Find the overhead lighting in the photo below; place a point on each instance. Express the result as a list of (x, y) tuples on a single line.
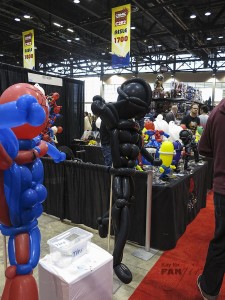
[(17, 19), (26, 16), (57, 24), (208, 38), (77, 38), (220, 37), (103, 53), (1, 54), (76, 1), (192, 16), (69, 29), (159, 45), (132, 27), (69, 41), (149, 47), (208, 13)]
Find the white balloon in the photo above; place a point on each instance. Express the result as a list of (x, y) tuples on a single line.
[(174, 131), (98, 123), (161, 124)]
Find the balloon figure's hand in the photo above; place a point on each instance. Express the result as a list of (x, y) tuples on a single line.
[(35, 114), (61, 157), (157, 162)]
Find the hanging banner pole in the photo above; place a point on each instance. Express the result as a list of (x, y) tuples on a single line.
[(121, 19)]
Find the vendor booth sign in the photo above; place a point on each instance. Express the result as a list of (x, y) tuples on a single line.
[(121, 17), (28, 49)]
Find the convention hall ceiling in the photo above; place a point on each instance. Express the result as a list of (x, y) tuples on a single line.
[(164, 34)]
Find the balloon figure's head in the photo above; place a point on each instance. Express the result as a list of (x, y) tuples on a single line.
[(185, 136), (149, 125), (12, 93), (134, 98)]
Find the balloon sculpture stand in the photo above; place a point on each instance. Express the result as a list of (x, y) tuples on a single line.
[(24, 113), (126, 143)]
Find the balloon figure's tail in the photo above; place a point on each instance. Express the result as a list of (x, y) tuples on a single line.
[(19, 287)]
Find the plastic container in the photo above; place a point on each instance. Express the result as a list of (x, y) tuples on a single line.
[(66, 247)]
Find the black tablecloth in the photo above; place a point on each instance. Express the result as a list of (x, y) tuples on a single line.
[(80, 192)]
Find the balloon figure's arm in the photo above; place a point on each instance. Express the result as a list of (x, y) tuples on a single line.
[(57, 155), (106, 112), (155, 162), (25, 109)]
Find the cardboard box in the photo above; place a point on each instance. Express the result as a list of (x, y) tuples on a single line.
[(89, 277)]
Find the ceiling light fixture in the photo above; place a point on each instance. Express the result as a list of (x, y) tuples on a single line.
[(69, 29), (132, 27), (208, 38), (149, 47), (220, 37), (192, 16), (57, 24), (26, 16), (17, 19), (76, 1), (1, 54), (208, 13), (77, 39), (159, 45), (69, 41)]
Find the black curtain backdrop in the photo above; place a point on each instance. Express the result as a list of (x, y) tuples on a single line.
[(10, 75), (71, 99)]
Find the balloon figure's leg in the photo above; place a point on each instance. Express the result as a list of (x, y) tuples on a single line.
[(20, 283), (22, 287), (121, 221), (103, 224)]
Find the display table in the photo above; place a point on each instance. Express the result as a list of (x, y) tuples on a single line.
[(89, 277), (80, 192)]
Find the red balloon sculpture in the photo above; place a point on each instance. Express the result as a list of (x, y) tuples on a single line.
[(24, 114)]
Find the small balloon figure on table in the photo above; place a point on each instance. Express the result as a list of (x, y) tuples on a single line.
[(126, 143), (189, 146), (166, 152), (23, 115)]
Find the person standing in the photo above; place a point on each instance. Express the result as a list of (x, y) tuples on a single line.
[(87, 125), (171, 115), (203, 115), (191, 121), (211, 145), (105, 144)]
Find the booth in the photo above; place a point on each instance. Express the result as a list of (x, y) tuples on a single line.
[(80, 192)]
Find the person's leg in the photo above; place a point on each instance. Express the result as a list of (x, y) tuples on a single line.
[(106, 151), (212, 276)]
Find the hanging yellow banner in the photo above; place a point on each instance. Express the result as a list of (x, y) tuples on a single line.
[(28, 49), (121, 18)]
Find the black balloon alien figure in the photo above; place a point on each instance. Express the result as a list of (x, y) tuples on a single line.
[(134, 98), (189, 145)]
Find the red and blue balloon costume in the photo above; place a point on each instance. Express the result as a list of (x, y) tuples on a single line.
[(24, 114)]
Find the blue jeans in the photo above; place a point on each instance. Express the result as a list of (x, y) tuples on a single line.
[(106, 151), (214, 269)]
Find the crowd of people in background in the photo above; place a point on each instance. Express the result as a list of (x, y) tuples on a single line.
[(194, 117)]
